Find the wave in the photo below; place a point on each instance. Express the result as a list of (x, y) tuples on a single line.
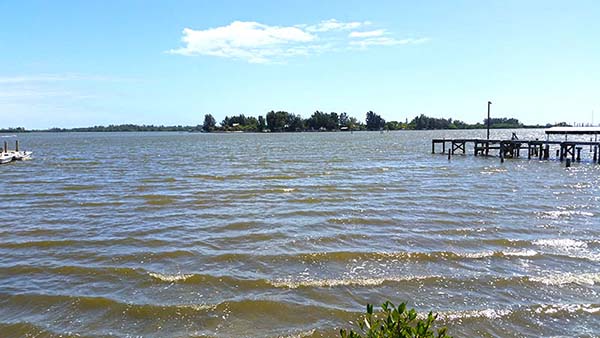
[(349, 256), (153, 243), (145, 278), (170, 278), (124, 310), (558, 214), (536, 310), (561, 243), (557, 279), (27, 329), (249, 308), (330, 283)]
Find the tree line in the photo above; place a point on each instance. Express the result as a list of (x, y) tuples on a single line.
[(282, 121)]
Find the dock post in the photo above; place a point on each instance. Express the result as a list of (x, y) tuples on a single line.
[(568, 163), (17, 145), (579, 154), (501, 152), (529, 151), (443, 146), (449, 155), (573, 153), (5, 147), (432, 147), (595, 154), (547, 152), (562, 152), (464, 147), (557, 153)]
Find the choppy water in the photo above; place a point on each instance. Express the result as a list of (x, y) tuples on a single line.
[(269, 235)]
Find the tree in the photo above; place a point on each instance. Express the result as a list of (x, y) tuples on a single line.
[(374, 121), (278, 121), (262, 124), (209, 123), (295, 123), (343, 120)]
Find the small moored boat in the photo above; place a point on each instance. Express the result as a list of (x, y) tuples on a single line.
[(5, 158)]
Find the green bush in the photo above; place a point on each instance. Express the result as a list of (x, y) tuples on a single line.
[(395, 322)]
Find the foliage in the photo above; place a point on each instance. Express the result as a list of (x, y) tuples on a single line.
[(240, 123), (122, 128), (262, 124), (209, 123), (394, 125), (503, 122), (282, 121), (323, 121), (374, 121), (425, 122), (13, 130), (395, 322)]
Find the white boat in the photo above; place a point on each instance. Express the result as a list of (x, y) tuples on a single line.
[(22, 155), (6, 158), (14, 156)]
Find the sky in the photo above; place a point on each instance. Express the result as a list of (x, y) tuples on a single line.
[(84, 63)]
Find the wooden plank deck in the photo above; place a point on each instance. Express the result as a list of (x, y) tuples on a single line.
[(540, 149)]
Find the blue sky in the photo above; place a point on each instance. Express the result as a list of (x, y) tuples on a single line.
[(86, 63)]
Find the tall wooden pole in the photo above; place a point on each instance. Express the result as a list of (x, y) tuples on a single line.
[(488, 120)]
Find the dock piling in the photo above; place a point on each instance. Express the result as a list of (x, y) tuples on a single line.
[(565, 150), (568, 163)]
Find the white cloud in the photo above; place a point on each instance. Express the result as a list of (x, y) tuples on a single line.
[(260, 43), (251, 41), (367, 34)]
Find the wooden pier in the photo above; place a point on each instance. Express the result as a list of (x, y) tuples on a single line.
[(571, 151)]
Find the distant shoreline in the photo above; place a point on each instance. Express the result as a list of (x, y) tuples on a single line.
[(282, 121), (79, 130)]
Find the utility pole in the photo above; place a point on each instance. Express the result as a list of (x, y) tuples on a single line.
[(488, 120)]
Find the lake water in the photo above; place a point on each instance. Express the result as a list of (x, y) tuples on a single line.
[(291, 235)]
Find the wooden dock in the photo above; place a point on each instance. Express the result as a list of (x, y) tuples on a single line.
[(571, 151)]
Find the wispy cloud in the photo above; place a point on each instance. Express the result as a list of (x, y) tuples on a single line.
[(387, 41), (41, 78), (334, 25), (260, 43), (367, 34)]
